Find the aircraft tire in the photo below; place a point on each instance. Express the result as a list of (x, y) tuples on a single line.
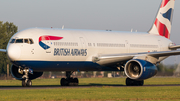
[(64, 82), (76, 81), (130, 82), (71, 82), (141, 83), (23, 83), (29, 83)]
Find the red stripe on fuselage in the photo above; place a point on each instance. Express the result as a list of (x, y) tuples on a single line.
[(164, 3), (162, 29), (46, 37)]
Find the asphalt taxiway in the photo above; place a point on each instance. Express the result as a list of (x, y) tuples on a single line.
[(80, 86)]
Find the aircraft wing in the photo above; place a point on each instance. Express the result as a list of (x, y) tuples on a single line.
[(112, 59), (123, 58), (2, 50), (164, 53)]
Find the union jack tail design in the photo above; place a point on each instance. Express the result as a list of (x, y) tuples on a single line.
[(163, 21)]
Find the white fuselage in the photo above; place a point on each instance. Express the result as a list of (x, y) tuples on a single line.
[(79, 46)]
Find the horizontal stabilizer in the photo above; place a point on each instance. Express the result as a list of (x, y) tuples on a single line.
[(174, 47)]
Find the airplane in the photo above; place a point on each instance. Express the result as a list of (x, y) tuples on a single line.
[(36, 50)]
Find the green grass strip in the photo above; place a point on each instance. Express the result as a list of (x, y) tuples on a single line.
[(94, 92)]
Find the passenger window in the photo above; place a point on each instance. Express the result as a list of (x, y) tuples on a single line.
[(19, 41), (31, 41), (13, 40), (26, 41)]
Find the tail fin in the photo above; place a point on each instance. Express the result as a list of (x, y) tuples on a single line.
[(163, 22)]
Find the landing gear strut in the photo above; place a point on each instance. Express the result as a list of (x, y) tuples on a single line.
[(25, 82), (69, 81), (131, 82)]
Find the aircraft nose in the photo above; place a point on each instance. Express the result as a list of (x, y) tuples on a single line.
[(13, 52)]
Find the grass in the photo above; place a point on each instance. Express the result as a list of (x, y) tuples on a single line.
[(93, 92)]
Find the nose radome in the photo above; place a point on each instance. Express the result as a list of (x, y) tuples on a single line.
[(13, 52)]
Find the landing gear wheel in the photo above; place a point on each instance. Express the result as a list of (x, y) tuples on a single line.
[(73, 82), (131, 82), (29, 83), (26, 84), (69, 82), (23, 83), (76, 81), (64, 82), (141, 83)]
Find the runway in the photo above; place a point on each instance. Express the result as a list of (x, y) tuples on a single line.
[(80, 86)]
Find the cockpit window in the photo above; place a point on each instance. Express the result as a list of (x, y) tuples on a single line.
[(31, 41), (12, 41), (26, 41), (19, 41)]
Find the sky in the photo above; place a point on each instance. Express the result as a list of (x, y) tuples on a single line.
[(117, 15)]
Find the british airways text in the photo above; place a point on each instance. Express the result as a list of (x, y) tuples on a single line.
[(69, 52)]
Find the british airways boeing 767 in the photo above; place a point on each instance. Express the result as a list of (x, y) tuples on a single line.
[(33, 51)]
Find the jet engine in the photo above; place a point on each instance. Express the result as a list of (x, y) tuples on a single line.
[(18, 73), (137, 69)]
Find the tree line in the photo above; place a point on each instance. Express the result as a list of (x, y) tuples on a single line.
[(7, 30)]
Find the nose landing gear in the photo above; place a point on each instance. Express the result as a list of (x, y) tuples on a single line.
[(25, 82), (69, 81)]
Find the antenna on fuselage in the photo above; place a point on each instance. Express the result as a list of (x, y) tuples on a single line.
[(131, 29), (63, 27)]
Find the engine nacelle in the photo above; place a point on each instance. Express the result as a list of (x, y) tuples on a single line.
[(140, 69), (15, 73)]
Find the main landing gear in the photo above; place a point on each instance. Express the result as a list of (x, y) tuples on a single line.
[(25, 82), (69, 81), (131, 82)]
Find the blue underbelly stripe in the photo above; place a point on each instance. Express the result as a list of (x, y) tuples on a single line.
[(63, 66)]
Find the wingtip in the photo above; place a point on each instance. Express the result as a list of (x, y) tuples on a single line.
[(2, 50)]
